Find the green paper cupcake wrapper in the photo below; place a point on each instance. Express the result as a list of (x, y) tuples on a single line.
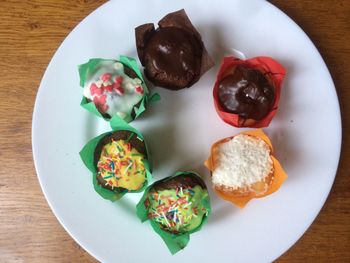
[(91, 65), (174, 242), (87, 156)]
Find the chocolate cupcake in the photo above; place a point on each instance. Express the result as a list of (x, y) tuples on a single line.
[(247, 92), (118, 161), (173, 55), (176, 206), (113, 88)]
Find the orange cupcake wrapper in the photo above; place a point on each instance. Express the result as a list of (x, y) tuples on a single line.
[(279, 175)]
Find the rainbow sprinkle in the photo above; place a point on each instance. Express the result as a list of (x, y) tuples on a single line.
[(121, 165), (176, 210)]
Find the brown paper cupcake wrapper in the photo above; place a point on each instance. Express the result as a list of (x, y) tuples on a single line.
[(177, 19)]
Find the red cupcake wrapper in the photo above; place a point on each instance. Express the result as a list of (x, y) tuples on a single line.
[(274, 71)]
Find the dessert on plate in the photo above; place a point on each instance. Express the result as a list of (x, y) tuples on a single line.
[(243, 167), (114, 88), (247, 92), (173, 55), (176, 207), (118, 161)]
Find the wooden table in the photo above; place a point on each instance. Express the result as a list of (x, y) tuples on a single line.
[(31, 31)]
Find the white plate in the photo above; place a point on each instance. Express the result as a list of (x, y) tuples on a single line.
[(180, 129)]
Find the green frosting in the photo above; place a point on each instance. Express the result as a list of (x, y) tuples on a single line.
[(177, 210), (175, 213)]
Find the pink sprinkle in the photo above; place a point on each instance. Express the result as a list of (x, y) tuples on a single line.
[(116, 85), (119, 90), (103, 99), (118, 79), (100, 103), (139, 90), (109, 88), (104, 107), (95, 90), (105, 77)]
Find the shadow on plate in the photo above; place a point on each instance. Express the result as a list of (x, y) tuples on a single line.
[(127, 205), (221, 209)]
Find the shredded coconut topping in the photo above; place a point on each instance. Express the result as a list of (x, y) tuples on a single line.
[(241, 162)]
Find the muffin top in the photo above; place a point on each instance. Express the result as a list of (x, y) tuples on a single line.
[(119, 162), (243, 163), (246, 92), (173, 55), (172, 58), (114, 89), (177, 204)]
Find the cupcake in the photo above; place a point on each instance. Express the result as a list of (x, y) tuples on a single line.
[(118, 161), (173, 55), (176, 207), (247, 92), (114, 88), (243, 167)]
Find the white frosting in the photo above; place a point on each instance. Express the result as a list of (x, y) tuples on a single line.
[(241, 162), (117, 102)]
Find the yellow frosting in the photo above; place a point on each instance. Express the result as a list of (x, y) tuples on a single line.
[(121, 165)]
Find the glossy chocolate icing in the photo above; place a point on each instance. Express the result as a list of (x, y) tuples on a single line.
[(246, 92), (173, 55)]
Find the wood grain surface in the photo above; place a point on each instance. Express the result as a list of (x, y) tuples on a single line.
[(30, 33)]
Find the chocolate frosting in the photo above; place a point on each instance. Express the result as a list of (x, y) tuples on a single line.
[(174, 51), (246, 92), (176, 48), (188, 180)]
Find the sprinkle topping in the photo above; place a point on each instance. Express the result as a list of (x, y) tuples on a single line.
[(177, 210), (121, 165), (112, 90)]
